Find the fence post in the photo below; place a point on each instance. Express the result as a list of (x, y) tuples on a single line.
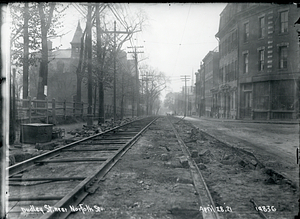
[(82, 105), (65, 109), (53, 112), (74, 108), (47, 119), (29, 108)]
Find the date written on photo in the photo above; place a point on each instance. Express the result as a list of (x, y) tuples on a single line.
[(215, 209), (265, 208)]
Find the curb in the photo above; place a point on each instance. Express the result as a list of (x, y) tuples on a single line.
[(287, 122)]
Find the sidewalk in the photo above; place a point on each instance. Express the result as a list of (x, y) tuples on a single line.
[(274, 121)]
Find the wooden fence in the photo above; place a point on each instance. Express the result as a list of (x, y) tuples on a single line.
[(29, 110)]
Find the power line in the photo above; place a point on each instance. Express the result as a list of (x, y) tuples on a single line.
[(114, 62), (182, 37), (179, 44), (116, 14), (76, 7)]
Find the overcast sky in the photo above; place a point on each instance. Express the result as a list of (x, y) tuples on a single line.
[(176, 39)]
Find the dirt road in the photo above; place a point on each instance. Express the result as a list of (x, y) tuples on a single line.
[(273, 144)]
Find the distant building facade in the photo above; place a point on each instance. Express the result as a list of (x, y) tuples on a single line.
[(211, 79), (259, 62), (200, 90)]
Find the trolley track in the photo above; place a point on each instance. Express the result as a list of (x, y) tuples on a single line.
[(65, 176), (199, 182), (236, 177)]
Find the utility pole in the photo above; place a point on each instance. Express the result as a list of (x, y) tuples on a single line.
[(147, 90), (89, 49), (185, 78), (12, 119), (100, 67), (26, 54), (137, 87), (115, 54), (115, 71)]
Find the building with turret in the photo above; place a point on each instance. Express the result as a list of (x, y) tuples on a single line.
[(62, 80)]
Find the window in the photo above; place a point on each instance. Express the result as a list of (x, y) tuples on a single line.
[(60, 67), (282, 95), (77, 49), (284, 22), (283, 57), (235, 70), (221, 76), (246, 32), (248, 97), (261, 27), (261, 60), (234, 36), (261, 100), (246, 60), (231, 72), (226, 73)]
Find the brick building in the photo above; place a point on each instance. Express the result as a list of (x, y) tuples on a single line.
[(268, 61), (259, 62), (225, 93), (211, 79)]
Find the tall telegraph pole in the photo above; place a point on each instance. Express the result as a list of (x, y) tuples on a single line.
[(89, 49), (100, 67), (115, 78), (115, 54), (26, 53), (137, 87), (147, 78), (185, 78)]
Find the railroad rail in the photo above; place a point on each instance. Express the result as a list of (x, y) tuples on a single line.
[(83, 165), (252, 205), (199, 182)]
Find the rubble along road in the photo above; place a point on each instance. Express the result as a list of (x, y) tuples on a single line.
[(273, 144), (151, 181)]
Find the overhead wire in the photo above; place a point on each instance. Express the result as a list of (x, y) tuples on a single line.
[(182, 37), (83, 9), (114, 11), (76, 7), (180, 44)]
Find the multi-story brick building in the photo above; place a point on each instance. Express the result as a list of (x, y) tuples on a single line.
[(225, 93), (259, 63), (268, 61)]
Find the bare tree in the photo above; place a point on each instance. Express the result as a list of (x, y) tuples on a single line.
[(32, 24), (46, 15), (154, 83)]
